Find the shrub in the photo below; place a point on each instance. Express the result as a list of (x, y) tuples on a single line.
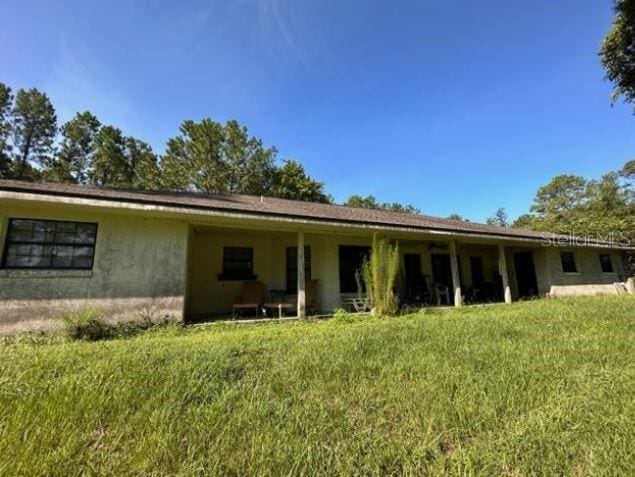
[(88, 324), (378, 274)]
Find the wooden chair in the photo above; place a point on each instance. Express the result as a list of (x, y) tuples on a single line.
[(251, 297), (311, 290)]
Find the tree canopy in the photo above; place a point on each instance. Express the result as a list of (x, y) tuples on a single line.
[(604, 207), (618, 51), (206, 156), (500, 218), (370, 202)]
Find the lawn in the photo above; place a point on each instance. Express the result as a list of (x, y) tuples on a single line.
[(542, 388)]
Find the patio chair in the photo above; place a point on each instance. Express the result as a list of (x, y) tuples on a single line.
[(251, 298), (441, 291)]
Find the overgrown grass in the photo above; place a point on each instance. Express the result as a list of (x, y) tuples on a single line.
[(537, 388)]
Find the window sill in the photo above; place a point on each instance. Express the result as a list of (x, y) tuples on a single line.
[(571, 273), (246, 278), (43, 273)]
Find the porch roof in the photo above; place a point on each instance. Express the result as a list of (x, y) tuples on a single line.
[(270, 207)]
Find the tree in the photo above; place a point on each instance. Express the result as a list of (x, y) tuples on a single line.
[(214, 158), (564, 193), (455, 217), (6, 101), (500, 218), (618, 51), (76, 150), (369, 202), (603, 208), (142, 164), (292, 182), (524, 221), (34, 129), (110, 166)]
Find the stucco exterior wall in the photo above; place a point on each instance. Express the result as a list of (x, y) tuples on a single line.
[(138, 267), (588, 265), (158, 266)]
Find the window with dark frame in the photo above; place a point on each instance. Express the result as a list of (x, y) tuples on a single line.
[(49, 244), (238, 263), (351, 260), (568, 262), (606, 263), (292, 267)]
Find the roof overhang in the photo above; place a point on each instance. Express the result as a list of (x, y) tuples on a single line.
[(207, 216)]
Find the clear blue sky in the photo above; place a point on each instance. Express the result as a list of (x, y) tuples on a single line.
[(457, 106)]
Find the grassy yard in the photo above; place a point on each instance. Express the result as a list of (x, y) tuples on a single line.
[(542, 388)]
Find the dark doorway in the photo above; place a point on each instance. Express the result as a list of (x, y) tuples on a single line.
[(351, 259), (441, 269), (414, 277), (525, 274), (478, 277)]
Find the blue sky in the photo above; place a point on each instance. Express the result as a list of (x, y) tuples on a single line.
[(452, 106)]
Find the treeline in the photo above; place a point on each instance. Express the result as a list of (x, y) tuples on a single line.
[(603, 207), (205, 156)]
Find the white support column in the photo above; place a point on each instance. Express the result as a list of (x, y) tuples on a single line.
[(502, 269), (301, 278), (456, 281)]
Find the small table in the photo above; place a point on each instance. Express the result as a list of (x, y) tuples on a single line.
[(277, 301)]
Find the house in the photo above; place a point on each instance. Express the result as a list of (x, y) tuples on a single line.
[(187, 255)]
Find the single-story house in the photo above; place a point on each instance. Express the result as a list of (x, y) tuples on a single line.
[(189, 255)]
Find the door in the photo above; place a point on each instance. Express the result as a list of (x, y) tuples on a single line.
[(292, 268), (441, 269), (525, 274), (413, 275), (478, 278)]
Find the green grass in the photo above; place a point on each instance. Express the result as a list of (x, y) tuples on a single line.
[(536, 388)]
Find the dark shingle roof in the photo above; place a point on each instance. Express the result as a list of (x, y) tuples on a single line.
[(271, 207)]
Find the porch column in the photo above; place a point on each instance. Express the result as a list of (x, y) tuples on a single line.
[(456, 281), (502, 269), (301, 278)]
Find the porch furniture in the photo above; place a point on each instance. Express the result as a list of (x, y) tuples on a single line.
[(441, 291), (278, 301), (359, 303), (251, 298), (311, 290), (284, 303)]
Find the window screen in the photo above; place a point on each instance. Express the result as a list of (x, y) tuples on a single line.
[(568, 262), (606, 263), (238, 263), (49, 244)]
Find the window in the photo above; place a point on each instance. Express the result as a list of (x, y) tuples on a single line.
[(292, 267), (605, 263), (351, 259), (238, 263), (568, 262), (49, 244)]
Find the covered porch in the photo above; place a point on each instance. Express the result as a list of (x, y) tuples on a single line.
[(310, 272)]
